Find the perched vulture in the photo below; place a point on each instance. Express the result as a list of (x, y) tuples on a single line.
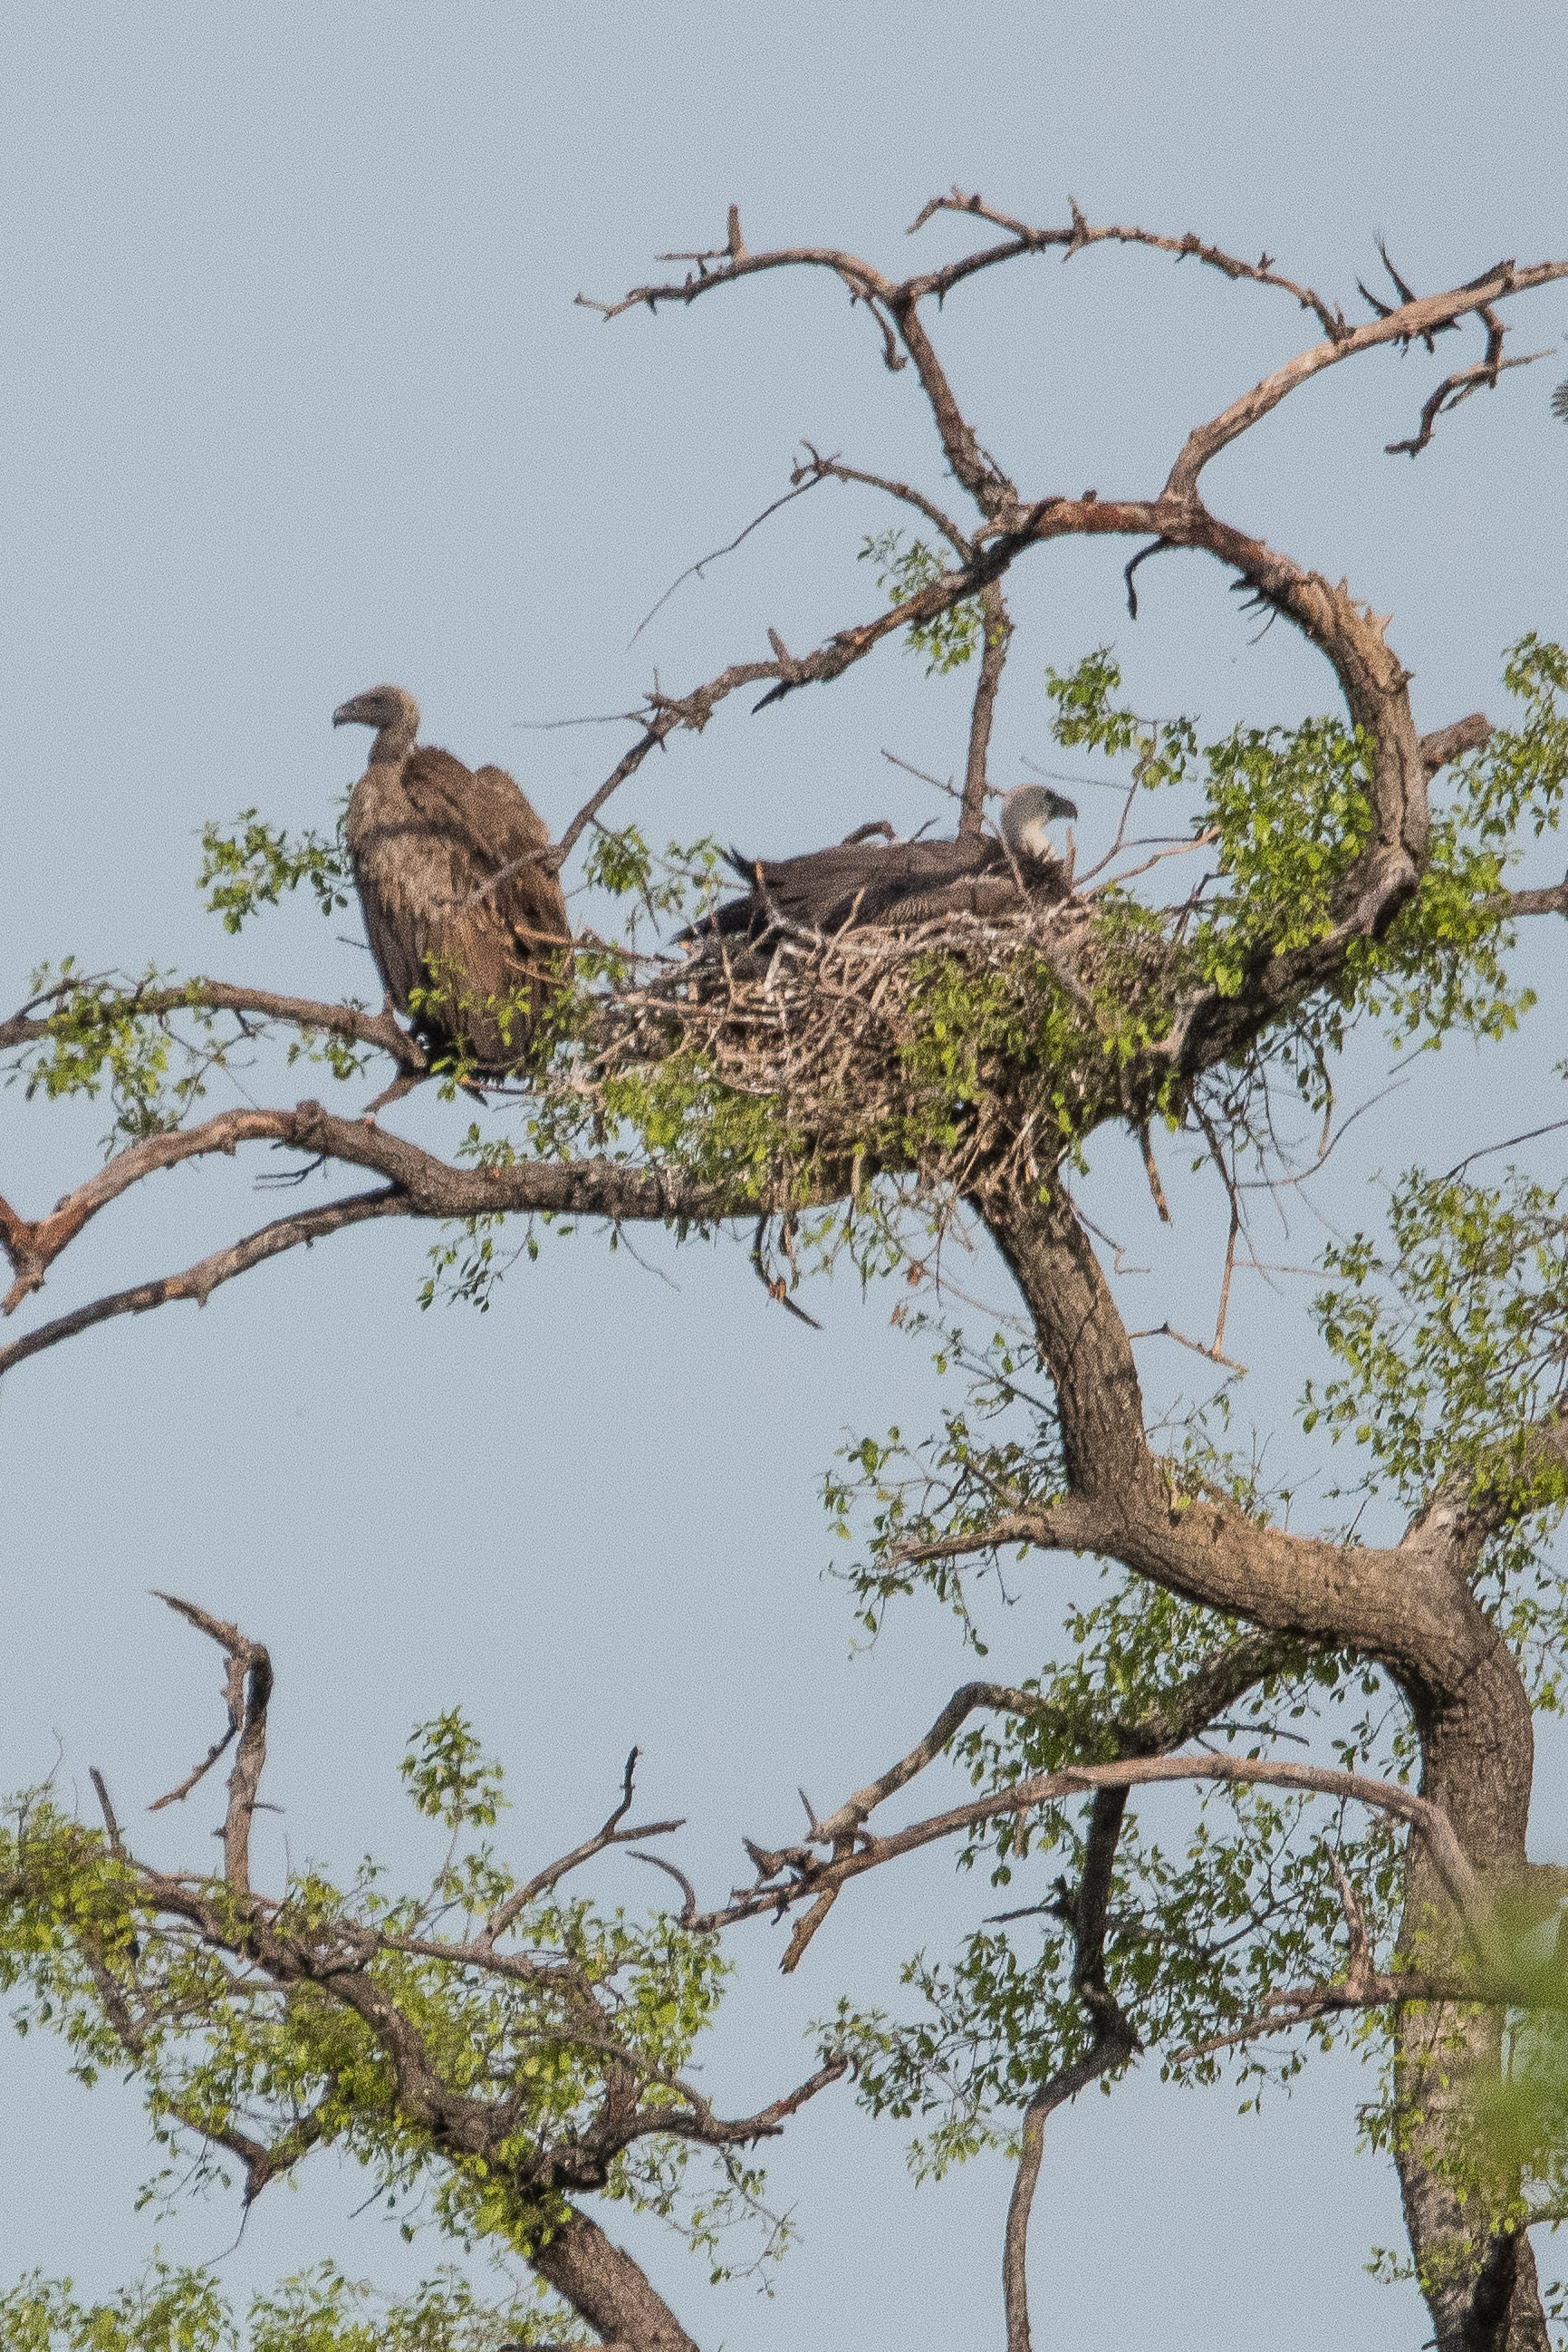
[(453, 898), (865, 881)]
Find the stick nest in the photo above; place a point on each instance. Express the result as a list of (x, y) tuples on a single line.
[(939, 1043)]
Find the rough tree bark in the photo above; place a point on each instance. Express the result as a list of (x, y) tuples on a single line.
[(1411, 1609), (609, 2290)]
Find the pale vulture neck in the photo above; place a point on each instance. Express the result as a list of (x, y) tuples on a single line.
[(396, 738)]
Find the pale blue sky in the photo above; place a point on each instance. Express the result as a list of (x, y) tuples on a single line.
[(296, 397)]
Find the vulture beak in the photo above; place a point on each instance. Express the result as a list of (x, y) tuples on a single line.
[(344, 715)]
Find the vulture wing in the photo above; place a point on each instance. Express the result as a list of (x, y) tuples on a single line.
[(856, 882), (441, 859)]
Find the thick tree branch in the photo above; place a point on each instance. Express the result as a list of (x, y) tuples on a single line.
[(1552, 900), (1452, 742), (349, 1021), (199, 1281), (33, 1245), (607, 2288), (420, 1183), (1409, 1607)]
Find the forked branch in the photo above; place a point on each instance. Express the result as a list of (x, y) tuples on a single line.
[(247, 1688), (271, 1946), (795, 1874)]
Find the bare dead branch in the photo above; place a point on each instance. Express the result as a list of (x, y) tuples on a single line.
[(247, 1688), (1455, 389), (1358, 1962), (895, 307), (1156, 547), (996, 628), (834, 469), (777, 1285), (892, 308), (199, 1773), (769, 2120), (1412, 321), (111, 1822), (1221, 1679), (1507, 1144), (199, 1281), (1064, 2086), (1233, 1197), (1152, 1170), (1406, 293), (1204, 1348), (610, 1833), (1081, 235), (689, 1905), (698, 571)]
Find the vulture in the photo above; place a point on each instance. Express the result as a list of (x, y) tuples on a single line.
[(454, 898), (890, 881)]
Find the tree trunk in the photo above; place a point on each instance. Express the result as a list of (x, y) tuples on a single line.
[(1409, 1609), (606, 2287), (1479, 2281)]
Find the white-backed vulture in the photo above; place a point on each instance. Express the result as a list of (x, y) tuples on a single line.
[(862, 881), (455, 902)]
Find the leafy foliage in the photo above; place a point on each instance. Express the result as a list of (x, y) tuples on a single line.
[(684, 882), (540, 2016), (152, 1043), (1290, 813), (449, 1777), (1230, 1899), (949, 640), (1201, 1934), (251, 863), (318, 2310), (101, 1038), (1451, 1339), (950, 1485)]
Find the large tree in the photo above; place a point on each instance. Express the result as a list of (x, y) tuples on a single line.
[(510, 2053)]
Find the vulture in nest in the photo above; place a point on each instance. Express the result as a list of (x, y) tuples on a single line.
[(900, 882), (455, 899)]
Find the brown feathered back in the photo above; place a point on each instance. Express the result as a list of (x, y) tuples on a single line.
[(428, 837)]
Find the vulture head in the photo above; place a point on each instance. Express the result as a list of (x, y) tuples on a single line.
[(1029, 811), (391, 710)]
